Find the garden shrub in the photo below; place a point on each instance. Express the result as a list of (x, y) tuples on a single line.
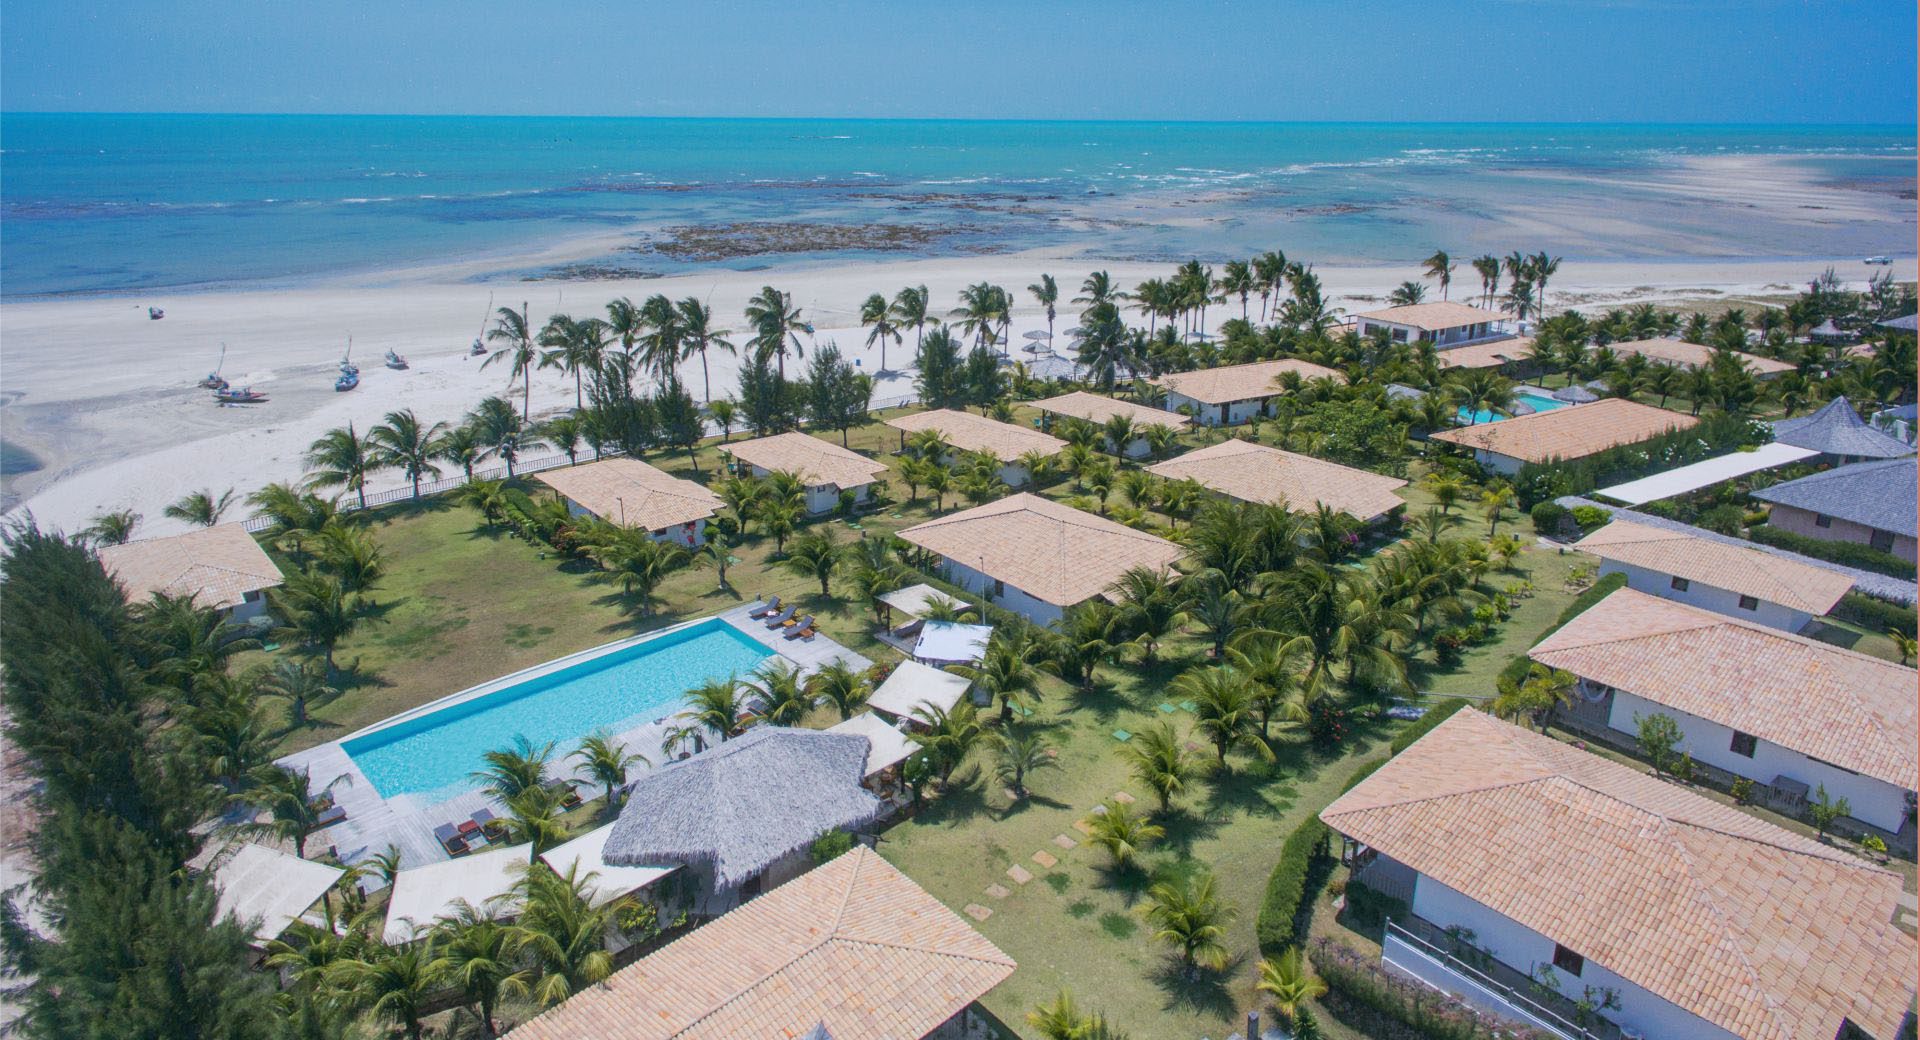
[(1852, 554), (1723, 519), (1547, 517), (1876, 615), (1591, 518), (1664, 509), (830, 845), (1286, 911), (1360, 980), (1371, 908)]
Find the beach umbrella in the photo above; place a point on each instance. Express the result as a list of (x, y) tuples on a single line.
[(1039, 334), (1520, 408), (1576, 395)]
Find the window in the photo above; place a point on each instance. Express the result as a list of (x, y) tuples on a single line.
[(999, 588), (1568, 961), (1679, 584), (1743, 744), (1881, 540), (1749, 603), (1822, 520)]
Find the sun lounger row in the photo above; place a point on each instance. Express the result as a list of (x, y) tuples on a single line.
[(466, 835)]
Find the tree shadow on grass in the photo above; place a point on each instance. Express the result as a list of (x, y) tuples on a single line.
[(1186, 828), (1104, 702), (1245, 790), (1198, 990), (1031, 801), (1129, 880)]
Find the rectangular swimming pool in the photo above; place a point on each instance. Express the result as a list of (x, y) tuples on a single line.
[(616, 690), (1538, 402)]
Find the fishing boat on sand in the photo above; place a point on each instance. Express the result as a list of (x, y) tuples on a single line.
[(239, 395), (477, 350), (395, 361), (214, 380), (347, 381)]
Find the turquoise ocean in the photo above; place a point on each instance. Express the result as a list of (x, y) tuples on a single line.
[(111, 203)]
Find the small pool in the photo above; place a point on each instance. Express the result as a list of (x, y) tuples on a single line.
[(1538, 402), (617, 689)]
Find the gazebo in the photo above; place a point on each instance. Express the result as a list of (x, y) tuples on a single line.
[(1828, 332), (1576, 395), (274, 888), (1837, 430)]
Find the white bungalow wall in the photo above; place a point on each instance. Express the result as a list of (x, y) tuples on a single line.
[(1873, 801), (1001, 594), (1522, 948), (1218, 415), (1708, 597), (821, 498), (688, 535)]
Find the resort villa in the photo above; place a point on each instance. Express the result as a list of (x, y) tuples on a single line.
[(1234, 394), (1531, 875), (1867, 503), (1789, 713), (852, 950), (741, 815), (1493, 353), (966, 431), (1563, 433), (1443, 324), (827, 469), (221, 567), (1099, 409), (1735, 580), (633, 494), (1036, 557), (1838, 433), (1678, 353), (1250, 472)]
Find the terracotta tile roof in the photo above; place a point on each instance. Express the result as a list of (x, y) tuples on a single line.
[(217, 566), (1569, 433), (628, 491), (1099, 408), (853, 946), (1855, 711), (1434, 317), (1052, 552), (1759, 931), (1491, 354), (816, 461), (970, 432), (1749, 572), (1239, 382), (1256, 473), (1692, 355)]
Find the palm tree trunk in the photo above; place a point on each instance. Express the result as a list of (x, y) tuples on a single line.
[(706, 377)]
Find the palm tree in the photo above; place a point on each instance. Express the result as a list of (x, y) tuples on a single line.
[(514, 332), (112, 528), (495, 426), (606, 760), (1122, 832), (698, 336), (1018, 756), (1542, 268), (1046, 292), (1543, 690), (1906, 644), (777, 325), (1005, 673), (877, 315), (840, 685), (815, 555), (1488, 268), (1439, 267), (784, 701), (1084, 640), (397, 985), (318, 611), (562, 932), (200, 507), (726, 414), (1189, 915), (513, 771), (716, 551), (947, 735), (342, 458), (535, 818), (1150, 610), (300, 683), (716, 705), (573, 347), (1224, 709), (1290, 982), (910, 309), (461, 446), (288, 799), (1159, 758), (1492, 501), (475, 952), (630, 558), (402, 442)]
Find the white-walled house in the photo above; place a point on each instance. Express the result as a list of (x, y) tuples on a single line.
[(1098, 409), (1251, 472), (966, 431), (1035, 557), (1443, 324), (1734, 580), (1875, 504), (1233, 394), (1517, 858), (826, 468), (1504, 445), (1791, 714), (221, 567), (633, 494)]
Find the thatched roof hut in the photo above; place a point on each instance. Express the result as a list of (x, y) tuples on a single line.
[(745, 805)]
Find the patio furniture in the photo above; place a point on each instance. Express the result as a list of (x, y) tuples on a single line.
[(782, 618), (333, 814), (468, 827), (483, 817), (801, 630), (450, 840), (760, 610), (911, 628)]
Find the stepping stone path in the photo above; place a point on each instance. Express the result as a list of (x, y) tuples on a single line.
[(978, 912), (1083, 827), (1123, 798), (1019, 875), (998, 891), (1046, 860), (1064, 842)]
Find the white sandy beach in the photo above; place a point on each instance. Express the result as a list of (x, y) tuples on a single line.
[(106, 398)]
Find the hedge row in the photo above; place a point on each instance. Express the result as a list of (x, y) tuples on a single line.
[(1853, 554), (1876, 615), (1424, 1011), (1516, 669)]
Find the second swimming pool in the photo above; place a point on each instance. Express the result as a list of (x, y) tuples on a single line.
[(1538, 402), (614, 690)]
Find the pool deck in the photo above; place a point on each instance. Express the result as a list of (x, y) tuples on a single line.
[(407, 821)]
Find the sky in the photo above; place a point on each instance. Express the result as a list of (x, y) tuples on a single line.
[(1748, 61)]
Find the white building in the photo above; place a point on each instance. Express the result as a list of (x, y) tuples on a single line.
[(826, 468), (1097, 409), (1443, 324), (1503, 446), (1035, 557), (1728, 579), (1791, 714), (1532, 875), (1250, 472), (1233, 394), (966, 431), (631, 493), (220, 567)]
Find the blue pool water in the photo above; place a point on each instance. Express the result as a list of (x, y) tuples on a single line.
[(618, 690), (1539, 403)]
